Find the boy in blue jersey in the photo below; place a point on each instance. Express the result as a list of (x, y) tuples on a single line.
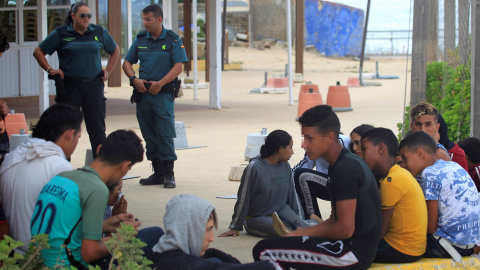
[(452, 198), (70, 207)]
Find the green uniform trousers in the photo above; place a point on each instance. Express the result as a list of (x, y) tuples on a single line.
[(156, 117)]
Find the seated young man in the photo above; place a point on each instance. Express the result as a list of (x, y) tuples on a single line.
[(455, 152), (33, 163), (189, 222), (348, 239), (452, 198), (404, 212), (424, 116), (71, 206), (310, 184), (471, 146)]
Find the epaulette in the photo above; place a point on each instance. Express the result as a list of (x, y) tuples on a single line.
[(96, 26), (173, 34), (142, 33), (61, 26)]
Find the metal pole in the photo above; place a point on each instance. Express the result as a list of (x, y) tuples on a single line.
[(289, 41), (362, 55), (194, 19), (224, 26), (129, 24), (475, 69)]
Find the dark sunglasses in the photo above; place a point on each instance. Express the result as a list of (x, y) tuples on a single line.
[(83, 15)]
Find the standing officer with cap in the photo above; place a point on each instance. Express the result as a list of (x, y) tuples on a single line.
[(161, 54), (78, 45)]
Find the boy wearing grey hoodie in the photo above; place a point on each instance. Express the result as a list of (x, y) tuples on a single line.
[(189, 222)]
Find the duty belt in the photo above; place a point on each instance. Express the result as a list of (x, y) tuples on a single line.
[(84, 79)]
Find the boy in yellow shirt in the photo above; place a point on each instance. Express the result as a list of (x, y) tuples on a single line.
[(404, 211)]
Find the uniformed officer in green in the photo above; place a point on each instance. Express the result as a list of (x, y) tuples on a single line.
[(78, 44), (161, 54)]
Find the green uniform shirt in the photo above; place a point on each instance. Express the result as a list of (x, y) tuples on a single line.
[(79, 55), (157, 56)]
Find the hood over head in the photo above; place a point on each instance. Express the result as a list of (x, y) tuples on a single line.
[(31, 149), (185, 222), (443, 131)]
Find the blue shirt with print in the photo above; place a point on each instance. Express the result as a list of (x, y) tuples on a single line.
[(458, 201)]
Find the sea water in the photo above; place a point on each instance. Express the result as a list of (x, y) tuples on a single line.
[(390, 25), (389, 29)]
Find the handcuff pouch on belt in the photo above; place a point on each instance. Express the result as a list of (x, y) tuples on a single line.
[(172, 87)]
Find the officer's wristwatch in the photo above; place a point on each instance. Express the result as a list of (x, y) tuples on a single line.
[(132, 79)]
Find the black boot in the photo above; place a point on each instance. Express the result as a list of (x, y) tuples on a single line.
[(158, 176), (169, 177)]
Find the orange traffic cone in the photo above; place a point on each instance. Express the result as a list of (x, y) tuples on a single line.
[(275, 86), (339, 98), (309, 98), (15, 122), (353, 82)]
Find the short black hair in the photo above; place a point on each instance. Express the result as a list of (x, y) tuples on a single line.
[(323, 118), (276, 139), (360, 130), (385, 136), (55, 120), (419, 139), (121, 145), (471, 146), (213, 216), (3, 42), (155, 9)]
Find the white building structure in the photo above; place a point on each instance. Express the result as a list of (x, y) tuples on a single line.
[(28, 22)]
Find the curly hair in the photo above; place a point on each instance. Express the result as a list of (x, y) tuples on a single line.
[(323, 118), (3, 42), (423, 108), (121, 145), (274, 141), (55, 120)]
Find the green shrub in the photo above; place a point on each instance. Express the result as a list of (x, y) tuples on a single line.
[(126, 249), (448, 89), (123, 246)]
